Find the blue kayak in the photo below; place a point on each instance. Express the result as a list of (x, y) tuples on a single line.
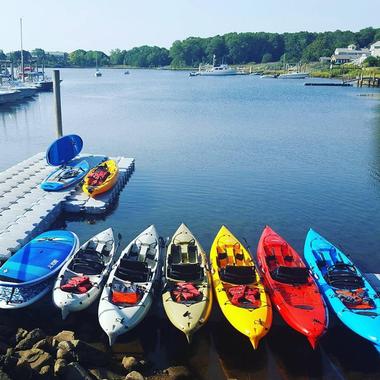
[(344, 287), (38, 260), (65, 176)]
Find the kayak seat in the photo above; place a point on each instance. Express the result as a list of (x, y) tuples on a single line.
[(290, 275), (134, 251), (175, 254), (86, 266), (133, 271), (344, 276), (236, 274), (192, 251), (321, 263), (185, 272), (151, 254), (106, 250), (89, 255), (222, 258), (239, 256), (345, 281)]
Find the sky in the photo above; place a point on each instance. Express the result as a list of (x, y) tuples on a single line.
[(67, 25)]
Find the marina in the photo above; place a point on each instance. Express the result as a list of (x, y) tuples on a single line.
[(154, 196)]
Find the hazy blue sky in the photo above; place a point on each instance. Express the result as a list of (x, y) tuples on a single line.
[(106, 24)]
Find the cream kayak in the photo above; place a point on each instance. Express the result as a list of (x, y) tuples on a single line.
[(187, 293)]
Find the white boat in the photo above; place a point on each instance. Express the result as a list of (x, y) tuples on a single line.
[(212, 70), (82, 278), (294, 75), (128, 294), (97, 72), (266, 76)]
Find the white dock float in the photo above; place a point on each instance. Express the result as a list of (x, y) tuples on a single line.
[(26, 210)]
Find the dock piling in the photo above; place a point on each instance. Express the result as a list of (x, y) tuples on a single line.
[(57, 101)]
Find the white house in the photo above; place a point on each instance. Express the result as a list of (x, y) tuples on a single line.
[(375, 49), (349, 54)]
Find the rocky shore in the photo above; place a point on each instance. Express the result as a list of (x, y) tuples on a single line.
[(35, 355)]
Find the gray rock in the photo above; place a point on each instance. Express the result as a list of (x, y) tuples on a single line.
[(45, 344), (64, 354), (129, 363), (74, 371), (64, 336), (30, 339), (34, 358), (59, 367), (179, 373), (134, 375), (46, 372), (67, 346), (20, 334)]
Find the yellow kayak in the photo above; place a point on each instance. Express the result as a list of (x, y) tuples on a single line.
[(238, 287), (101, 178)]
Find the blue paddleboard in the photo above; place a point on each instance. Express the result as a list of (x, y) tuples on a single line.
[(63, 150), (39, 260)]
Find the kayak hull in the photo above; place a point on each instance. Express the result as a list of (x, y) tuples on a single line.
[(102, 247), (56, 181), (321, 255), (252, 321), (298, 300), (108, 184), (119, 318), (190, 316)]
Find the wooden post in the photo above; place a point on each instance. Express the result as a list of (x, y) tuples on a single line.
[(22, 53), (57, 101)]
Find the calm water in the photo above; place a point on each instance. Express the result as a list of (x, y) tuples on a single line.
[(242, 151)]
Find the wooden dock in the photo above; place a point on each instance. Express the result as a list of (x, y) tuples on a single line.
[(328, 84), (26, 210), (365, 81)]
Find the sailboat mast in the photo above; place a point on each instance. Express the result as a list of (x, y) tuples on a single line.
[(22, 53)]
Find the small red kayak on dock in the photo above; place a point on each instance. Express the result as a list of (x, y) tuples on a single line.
[(291, 287)]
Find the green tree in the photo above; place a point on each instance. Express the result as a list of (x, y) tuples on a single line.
[(117, 57), (39, 54), (372, 61), (267, 57)]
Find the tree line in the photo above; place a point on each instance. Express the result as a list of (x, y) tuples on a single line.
[(232, 48)]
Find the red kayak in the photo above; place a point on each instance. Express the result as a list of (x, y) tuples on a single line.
[(291, 287)]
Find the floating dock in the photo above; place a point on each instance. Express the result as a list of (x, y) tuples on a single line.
[(328, 84), (26, 210)]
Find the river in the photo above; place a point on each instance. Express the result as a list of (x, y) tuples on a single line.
[(240, 151)]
